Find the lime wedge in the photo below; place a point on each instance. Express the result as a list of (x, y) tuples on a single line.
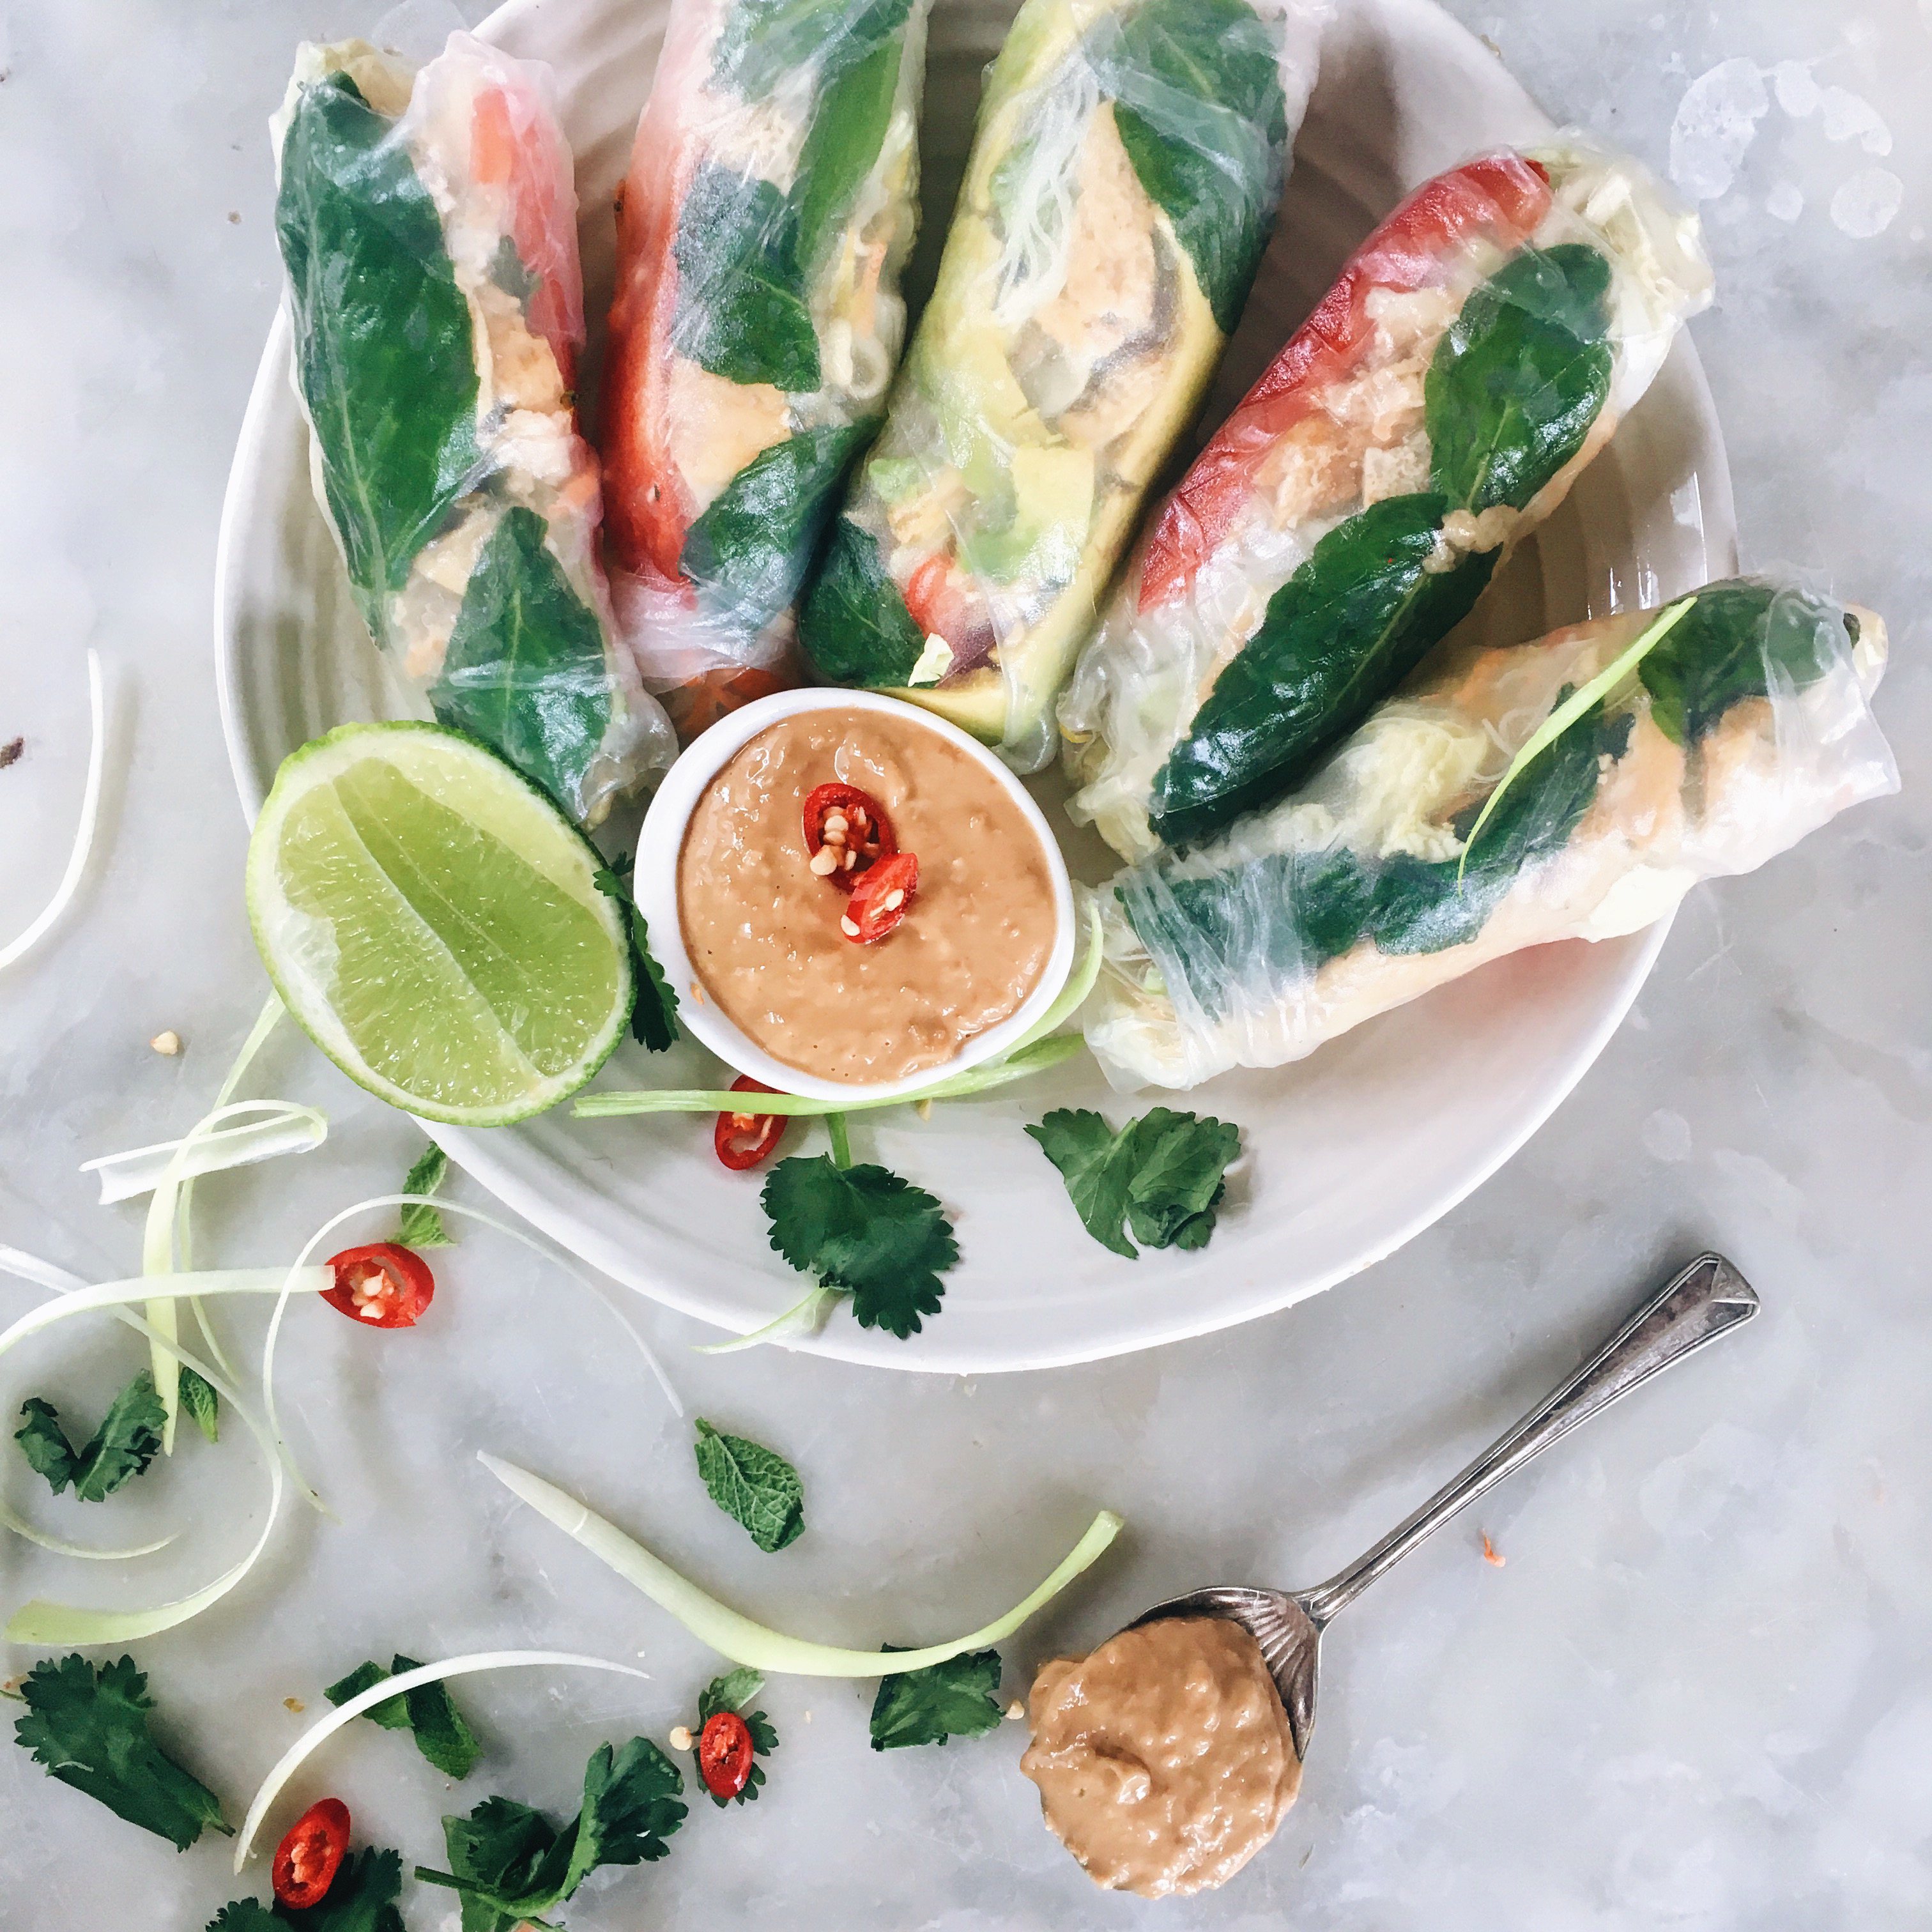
[(434, 924)]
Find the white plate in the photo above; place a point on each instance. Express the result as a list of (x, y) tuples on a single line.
[(1349, 1154)]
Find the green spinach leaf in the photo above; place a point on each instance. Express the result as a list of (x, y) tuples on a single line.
[(383, 349), (751, 1485), (958, 1699), (855, 628), (525, 671), (1198, 104), (1352, 622), (1520, 376), (89, 1727), (865, 1231), (1740, 640), (741, 311), (1161, 1175), (128, 1439), (757, 538)]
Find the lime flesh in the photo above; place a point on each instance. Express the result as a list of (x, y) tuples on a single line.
[(434, 925)]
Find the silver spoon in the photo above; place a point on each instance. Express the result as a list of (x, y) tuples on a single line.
[(1709, 1298)]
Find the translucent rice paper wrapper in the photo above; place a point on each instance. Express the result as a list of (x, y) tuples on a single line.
[(1747, 726), (1476, 351), (1124, 179), (771, 201), (428, 225)]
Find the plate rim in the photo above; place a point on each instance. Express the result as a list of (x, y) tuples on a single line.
[(472, 1151)]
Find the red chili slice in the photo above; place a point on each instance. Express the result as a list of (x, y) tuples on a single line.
[(743, 1140), (864, 837), (881, 899), (385, 1285), (725, 1752), (306, 1860)]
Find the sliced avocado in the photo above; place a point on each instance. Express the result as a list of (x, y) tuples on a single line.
[(1053, 506)]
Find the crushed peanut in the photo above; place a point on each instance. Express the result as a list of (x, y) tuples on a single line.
[(168, 1042), (848, 929), (294, 1704)]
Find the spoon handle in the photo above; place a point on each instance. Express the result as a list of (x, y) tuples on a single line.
[(1709, 1298)]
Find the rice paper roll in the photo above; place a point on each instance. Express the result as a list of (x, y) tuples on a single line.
[(1478, 350), (1124, 176), (1746, 726), (428, 226), (771, 201)]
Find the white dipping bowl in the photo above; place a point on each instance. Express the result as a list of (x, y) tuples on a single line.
[(661, 844)]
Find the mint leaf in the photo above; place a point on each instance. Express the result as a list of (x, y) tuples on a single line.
[(422, 1227), (128, 1439), (855, 627), (732, 1692), (428, 1710), (958, 1699), (1161, 1175), (201, 1403), (865, 1230), (512, 1863), (753, 1486), (88, 1727), (654, 1018)]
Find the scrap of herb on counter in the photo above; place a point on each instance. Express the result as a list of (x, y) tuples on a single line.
[(751, 1485), (426, 1710), (1162, 1175), (958, 1699)]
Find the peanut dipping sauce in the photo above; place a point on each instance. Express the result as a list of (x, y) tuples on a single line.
[(763, 931), (1165, 1760)]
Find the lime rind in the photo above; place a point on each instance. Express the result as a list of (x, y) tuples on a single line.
[(418, 904)]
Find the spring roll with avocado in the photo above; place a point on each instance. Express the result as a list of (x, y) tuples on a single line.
[(771, 201), (428, 226), (1476, 351), (1129, 159), (1500, 803)]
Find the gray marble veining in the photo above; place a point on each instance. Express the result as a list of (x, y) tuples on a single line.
[(1698, 1691)]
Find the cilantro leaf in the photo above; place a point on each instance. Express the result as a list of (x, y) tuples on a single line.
[(202, 1402), (422, 1227), (244, 1915), (128, 1439), (863, 1230), (511, 1863), (752, 1485), (732, 1692), (959, 1699), (654, 1018), (1163, 1175), (426, 1709), (89, 1728)]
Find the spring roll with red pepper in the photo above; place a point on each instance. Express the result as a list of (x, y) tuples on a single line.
[(1124, 179), (771, 203), (1572, 788), (428, 226), (1477, 351)]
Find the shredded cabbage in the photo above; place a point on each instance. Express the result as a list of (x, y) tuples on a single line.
[(735, 1636), (83, 834), (291, 1759)]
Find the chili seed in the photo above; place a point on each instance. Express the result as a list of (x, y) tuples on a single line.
[(850, 931), (834, 821), (894, 899), (824, 860)]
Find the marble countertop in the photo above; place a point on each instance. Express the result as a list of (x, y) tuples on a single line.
[(1697, 1692)]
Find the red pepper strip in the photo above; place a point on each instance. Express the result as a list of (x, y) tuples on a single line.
[(1500, 197), (725, 1752), (383, 1285), (306, 1860), (743, 1140), (883, 898), (867, 833)]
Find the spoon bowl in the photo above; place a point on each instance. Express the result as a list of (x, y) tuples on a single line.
[(1709, 1299)]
